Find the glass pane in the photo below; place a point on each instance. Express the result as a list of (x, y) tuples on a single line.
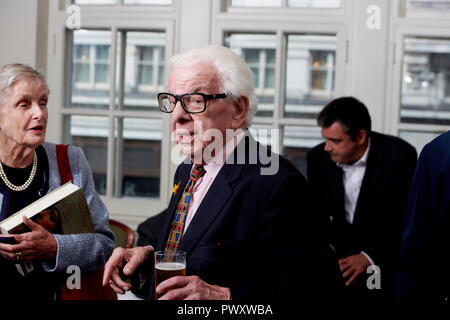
[(145, 54), (418, 139), (256, 3), (81, 72), (310, 73), (102, 52), (145, 75), (148, 1), (144, 69), (251, 56), (81, 52), (141, 157), (269, 78), (314, 3), (318, 80), (91, 134), (101, 73), (428, 4), (90, 69), (297, 141), (259, 51), (425, 96)]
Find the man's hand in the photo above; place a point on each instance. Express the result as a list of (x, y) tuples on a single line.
[(191, 288), (353, 266), (132, 258), (36, 244)]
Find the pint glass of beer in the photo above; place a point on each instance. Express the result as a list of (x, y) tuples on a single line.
[(168, 265)]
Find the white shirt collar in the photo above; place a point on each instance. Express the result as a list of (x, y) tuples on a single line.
[(215, 164), (361, 162)]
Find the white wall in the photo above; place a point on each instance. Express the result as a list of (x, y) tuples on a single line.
[(23, 34), (369, 59)]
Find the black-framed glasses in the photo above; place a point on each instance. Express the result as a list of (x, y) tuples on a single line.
[(191, 102)]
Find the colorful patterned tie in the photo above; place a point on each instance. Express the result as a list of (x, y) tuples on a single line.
[(182, 209)]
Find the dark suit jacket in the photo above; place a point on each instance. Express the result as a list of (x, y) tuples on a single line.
[(255, 233), (424, 263), (150, 229), (381, 205)]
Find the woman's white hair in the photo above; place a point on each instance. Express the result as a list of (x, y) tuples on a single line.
[(10, 74), (236, 78)]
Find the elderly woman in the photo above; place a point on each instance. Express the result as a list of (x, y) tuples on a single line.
[(29, 170)]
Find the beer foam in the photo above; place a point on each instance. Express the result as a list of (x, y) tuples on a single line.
[(169, 266)]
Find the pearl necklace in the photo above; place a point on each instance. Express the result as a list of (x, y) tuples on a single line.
[(27, 183)]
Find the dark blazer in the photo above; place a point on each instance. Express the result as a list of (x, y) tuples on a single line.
[(255, 233), (381, 204), (149, 230), (424, 263)]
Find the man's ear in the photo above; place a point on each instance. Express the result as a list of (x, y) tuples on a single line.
[(241, 105), (361, 138)]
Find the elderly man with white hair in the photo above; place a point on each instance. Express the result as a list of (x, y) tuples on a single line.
[(248, 233)]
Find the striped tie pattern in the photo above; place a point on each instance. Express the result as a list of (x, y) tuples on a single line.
[(182, 209)]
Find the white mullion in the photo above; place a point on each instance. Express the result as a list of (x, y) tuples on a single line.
[(118, 157), (261, 69), (329, 70), (105, 113), (119, 129), (418, 127), (92, 65), (110, 172), (155, 66), (280, 73)]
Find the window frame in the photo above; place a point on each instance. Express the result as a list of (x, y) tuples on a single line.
[(131, 210), (284, 22), (420, 25)]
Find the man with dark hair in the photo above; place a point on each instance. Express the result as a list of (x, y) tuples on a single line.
[(360, 180)]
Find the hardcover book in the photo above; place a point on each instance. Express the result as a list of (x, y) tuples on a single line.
[(62, 211)]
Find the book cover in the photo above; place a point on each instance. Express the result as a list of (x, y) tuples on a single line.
[(62, 211)]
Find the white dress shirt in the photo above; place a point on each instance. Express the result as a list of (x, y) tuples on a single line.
[(212, 169), (352, 181)]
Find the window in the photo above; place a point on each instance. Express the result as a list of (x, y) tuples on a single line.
[(290, 3), (428, 4), (140, 168), (135, 168), (262, 64), (297, 141), (322, 72), (144, 69), (295, 65), (90, 69), (425, 96), (314, 3), (419, 82), (91, 134), (258, 50), (257, 3), (150, 75), (139, 2), (310, 74)]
